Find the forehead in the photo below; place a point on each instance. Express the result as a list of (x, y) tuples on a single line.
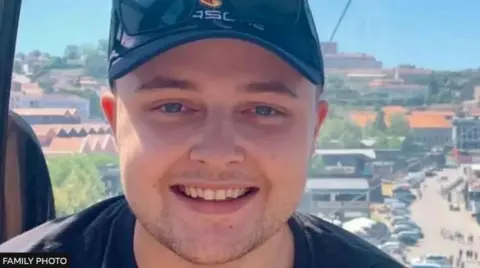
[(217, 61)]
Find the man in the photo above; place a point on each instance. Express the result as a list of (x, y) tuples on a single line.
[(215, 108)]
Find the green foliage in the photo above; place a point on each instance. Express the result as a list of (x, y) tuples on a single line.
[(443, 87), (398, 125), (46, 85), (72, 52), (379, 122), (339, 133), (17, 67), (76, 180), (96, 64), (92, 58)]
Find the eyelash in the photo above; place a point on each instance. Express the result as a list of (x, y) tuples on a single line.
[(260, 109), (183, 108)]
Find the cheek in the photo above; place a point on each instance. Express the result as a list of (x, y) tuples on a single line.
[(284, 159), (146, 154)]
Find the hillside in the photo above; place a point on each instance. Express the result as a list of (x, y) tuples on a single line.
[(83, 63)]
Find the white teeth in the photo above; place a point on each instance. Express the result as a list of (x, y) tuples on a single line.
[(211, 194)]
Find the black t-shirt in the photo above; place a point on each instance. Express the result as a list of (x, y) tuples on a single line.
[(102, 236)]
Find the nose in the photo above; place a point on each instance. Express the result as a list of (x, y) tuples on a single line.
[(217, 146)]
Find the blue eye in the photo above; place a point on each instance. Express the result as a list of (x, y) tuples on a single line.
[(172, 107), (263, 110)]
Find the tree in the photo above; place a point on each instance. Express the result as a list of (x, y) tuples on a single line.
[(17, 67), (379, 122), (57, 63), (47, 85), (444, 95), (399, 125), (76, 182), (35, 54), (102, 46), (20, 55), (101, 160), (96, 64), (369, 130), (37, 70), (72, 52), (395, 142), (433, 86), (339, 133)]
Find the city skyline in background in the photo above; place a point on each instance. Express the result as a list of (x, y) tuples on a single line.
[(438, 35)]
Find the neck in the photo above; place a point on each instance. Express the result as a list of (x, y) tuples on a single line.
[(277, 252)]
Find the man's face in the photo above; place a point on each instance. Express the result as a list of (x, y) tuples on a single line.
[(214, 139)]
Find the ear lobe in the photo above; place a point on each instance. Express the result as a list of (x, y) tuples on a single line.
[(108, 103)]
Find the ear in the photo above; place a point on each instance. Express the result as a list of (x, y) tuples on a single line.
[(108, 101), (322, 112)]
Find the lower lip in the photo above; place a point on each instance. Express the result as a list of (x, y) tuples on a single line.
[(215, 207)]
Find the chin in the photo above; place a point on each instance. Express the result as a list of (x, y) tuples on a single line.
[(211, 253)]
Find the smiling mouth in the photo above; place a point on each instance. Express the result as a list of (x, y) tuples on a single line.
[(205, 194)]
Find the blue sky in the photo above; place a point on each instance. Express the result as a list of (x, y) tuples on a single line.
[(437, 34)]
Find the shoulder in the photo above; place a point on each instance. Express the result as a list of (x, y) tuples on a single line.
[(338, 243), (68, 234)]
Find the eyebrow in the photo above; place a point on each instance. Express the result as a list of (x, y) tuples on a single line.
[(273, 87), (167, 83)]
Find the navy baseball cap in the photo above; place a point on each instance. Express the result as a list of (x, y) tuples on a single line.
[(142, 29)]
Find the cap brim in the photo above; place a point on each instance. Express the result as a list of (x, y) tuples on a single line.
[(144, 53)]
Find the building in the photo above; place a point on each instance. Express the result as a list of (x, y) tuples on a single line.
[(473, 106), (347, 163), (338, 60), (395, 90), (49, 116), (20, 99), (387, 161), (360, 79), (80, 145), (353, 162), (431, 128), (329, 47), (472, 190), (466, 137), (344, 198), (351, 61)]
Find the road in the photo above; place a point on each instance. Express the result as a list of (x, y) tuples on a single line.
[(431, 212)]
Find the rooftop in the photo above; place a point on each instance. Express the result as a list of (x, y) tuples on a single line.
[(475, 167), (45, 111), (338, 184), (366, 152), (416, 119), (466, 119)]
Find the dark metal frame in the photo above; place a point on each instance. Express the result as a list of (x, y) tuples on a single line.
[(9, 17)]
